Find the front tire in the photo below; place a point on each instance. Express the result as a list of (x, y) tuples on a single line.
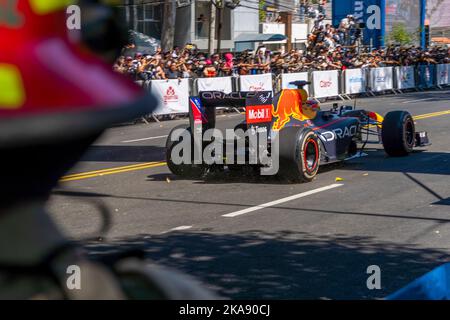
[(398, 133), (299, 154)]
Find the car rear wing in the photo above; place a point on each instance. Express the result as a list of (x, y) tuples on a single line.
[(258, 106)]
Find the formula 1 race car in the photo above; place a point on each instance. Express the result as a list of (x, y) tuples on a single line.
[(306, 136)]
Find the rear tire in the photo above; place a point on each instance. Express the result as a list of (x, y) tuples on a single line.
[(398, 133), (299, 154), (182, 170)]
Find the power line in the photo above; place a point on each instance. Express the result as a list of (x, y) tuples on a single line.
[(240, 5)]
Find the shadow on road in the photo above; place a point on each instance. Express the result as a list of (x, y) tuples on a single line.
[(284, 265), (376, 161), (124, 154), (416, 162)]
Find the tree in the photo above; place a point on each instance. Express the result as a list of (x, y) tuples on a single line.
[(168, 27), (262, 11), (400, 35)]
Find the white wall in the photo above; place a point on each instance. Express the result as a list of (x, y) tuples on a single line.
[(245, 20)]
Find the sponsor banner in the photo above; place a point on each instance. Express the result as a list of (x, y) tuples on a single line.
[(286, 78), (427, 76), (172, 95), (259, 107), (405, 77), (259, 113), (326, 83), (223, 84), (355, 81), (443, 74), (381, 79), (257, 82)]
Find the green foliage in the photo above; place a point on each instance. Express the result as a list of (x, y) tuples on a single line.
[(262, 12), (400, 35)]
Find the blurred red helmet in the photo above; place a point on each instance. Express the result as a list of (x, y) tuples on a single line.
[(51, 86)]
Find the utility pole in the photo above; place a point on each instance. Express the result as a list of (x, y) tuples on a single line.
[(168, 27), (220, 8), (286, 18), (212, 28)]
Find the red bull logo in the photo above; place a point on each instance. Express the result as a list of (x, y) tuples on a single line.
[(292, 103)]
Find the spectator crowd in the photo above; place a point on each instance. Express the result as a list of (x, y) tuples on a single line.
[(327, 48), (190, 63)]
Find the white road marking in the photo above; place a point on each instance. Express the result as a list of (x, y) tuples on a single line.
[(276, 202), (424, 99), (359, 154), (144, 139), (180, 228)]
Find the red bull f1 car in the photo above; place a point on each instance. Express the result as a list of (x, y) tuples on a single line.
[(307, 137)]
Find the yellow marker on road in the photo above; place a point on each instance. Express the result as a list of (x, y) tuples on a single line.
[(431, 115), (104, 172)]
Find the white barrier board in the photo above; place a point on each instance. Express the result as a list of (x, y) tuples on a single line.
[(172, 95), (381, 79), (223, 84), (355, 81), (326, 83), (443, 74), (289, 77), (405, 77), (257, 82)]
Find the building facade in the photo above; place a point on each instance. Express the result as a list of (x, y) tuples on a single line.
[(192, 21)]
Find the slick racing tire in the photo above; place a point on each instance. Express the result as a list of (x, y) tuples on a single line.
[(182, 170), (398, 133), (299, 154)]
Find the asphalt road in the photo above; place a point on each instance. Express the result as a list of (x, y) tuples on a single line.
[(390, 212)]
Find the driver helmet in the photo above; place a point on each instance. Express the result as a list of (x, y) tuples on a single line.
[(303, 95), (53, 86)]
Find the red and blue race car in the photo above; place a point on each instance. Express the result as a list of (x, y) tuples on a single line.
[(306, 136)]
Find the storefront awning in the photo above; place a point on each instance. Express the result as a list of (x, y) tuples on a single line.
[(260, 37)]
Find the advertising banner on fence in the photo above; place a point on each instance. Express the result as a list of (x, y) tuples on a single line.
[(427, 76), (172, 95), (326, 83), (443, 74), (215, 84), (405, 77), (289, 77), (355, 81), (381, 79), (257, 82)]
